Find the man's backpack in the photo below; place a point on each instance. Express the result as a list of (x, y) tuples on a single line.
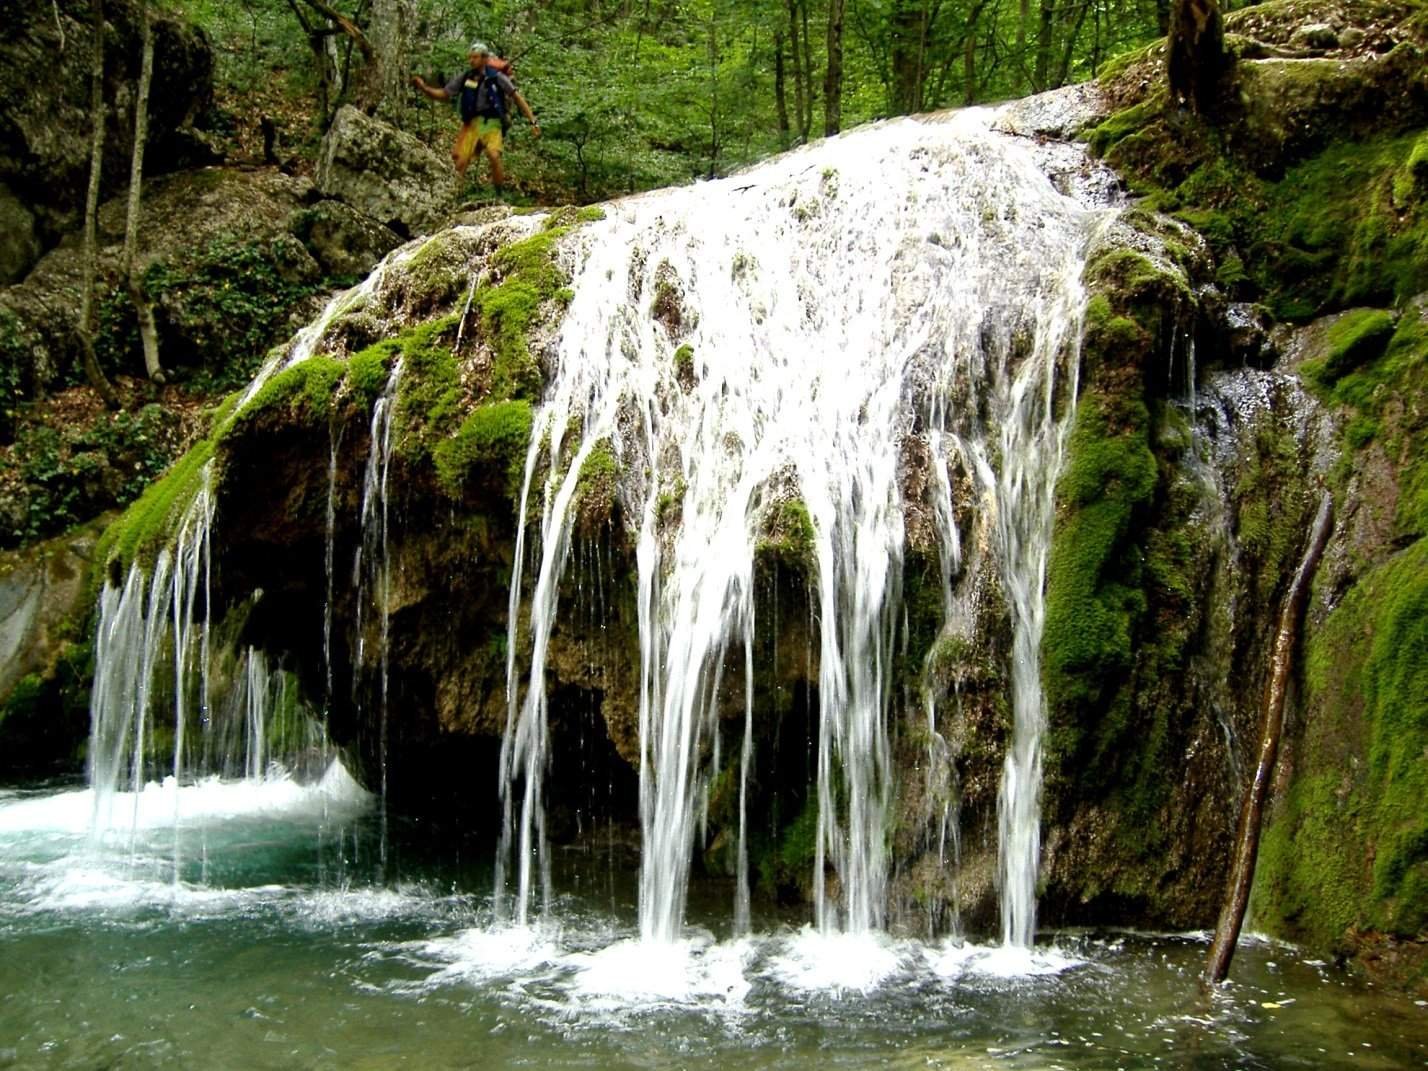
[(483, 98)]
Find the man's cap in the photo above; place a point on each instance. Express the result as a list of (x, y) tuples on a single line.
[(478, 46)]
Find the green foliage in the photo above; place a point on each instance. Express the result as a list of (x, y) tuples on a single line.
[(494, 435), (61, 476), (1094, 596), (633, 97), (234, 299)]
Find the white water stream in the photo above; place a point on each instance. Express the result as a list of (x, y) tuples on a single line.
[(915, 278)]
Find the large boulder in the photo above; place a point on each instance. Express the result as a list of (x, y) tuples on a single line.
[(385, 173), (19, 245), (46, 120), (44, 603), (345, 242), (227, 275)]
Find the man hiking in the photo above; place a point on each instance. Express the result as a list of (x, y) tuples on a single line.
[(482, 91)]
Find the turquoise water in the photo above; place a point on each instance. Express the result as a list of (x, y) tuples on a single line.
[(268, 934)]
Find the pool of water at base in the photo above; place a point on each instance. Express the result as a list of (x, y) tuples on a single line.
[(267, 933)]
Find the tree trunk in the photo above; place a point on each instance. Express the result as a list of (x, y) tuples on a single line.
[(833, 81), (1068, 46), (780, 91), (143, 307), (798, 73), (1023, 17), (1197, 61), (1045, 40), (805, 121), (1232, 917), (92, 371), (393, 26), (908, 31), (969, 58), (368, 94)]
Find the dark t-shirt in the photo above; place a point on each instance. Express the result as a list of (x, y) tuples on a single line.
[(458, 83)]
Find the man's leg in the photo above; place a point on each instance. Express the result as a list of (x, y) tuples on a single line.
[(465, 147), (491, 146)]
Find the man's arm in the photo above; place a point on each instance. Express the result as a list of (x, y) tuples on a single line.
[(434, 92), (526, 111)]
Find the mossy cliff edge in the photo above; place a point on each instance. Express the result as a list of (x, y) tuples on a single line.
[(1310, 195)]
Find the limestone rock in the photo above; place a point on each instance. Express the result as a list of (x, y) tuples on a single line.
[(196, 227), (44, 594), (344, 242), (46, 122), (1315, 37), (19, 246), (41, 589), (385, 173)]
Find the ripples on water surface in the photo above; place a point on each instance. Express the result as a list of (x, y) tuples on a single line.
[(278, 945)]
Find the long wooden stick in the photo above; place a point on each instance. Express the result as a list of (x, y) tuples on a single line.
[(1232, 915)]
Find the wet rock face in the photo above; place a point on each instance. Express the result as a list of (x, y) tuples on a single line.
[(45, 122), (385, 173), (44, 593)]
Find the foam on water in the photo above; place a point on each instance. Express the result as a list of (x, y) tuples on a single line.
[(953, 962), (208, 800), (693, 970), (815, 960)]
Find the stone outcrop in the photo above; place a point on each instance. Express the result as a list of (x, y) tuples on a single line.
[(44, 610), (19, 244), (233, 259), (385, 173), (46, 122)]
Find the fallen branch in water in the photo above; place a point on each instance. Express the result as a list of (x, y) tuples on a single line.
[(1232, 915)]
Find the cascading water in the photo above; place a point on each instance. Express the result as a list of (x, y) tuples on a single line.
[(372, 567), (836, 304)]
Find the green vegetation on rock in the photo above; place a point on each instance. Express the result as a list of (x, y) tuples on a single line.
[(495, 434), (509, 309), (1348, 847)]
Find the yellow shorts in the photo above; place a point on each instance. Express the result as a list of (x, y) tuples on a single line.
[(479, 134)]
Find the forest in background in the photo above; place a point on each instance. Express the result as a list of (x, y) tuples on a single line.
[(636, 94)]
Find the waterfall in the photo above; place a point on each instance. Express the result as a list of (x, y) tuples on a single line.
[(773, 339), (372, 570), (137, 623)]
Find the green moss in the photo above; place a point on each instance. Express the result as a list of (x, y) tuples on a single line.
[(1093, 587), (1344, 227), (1349, 845), (496, 436), (1386, 399), (595, 486), (1354, 339), (684, 362), (368, 371), (304, 391), (429, 394), (788, 537), (146, 525), (509, 310)]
